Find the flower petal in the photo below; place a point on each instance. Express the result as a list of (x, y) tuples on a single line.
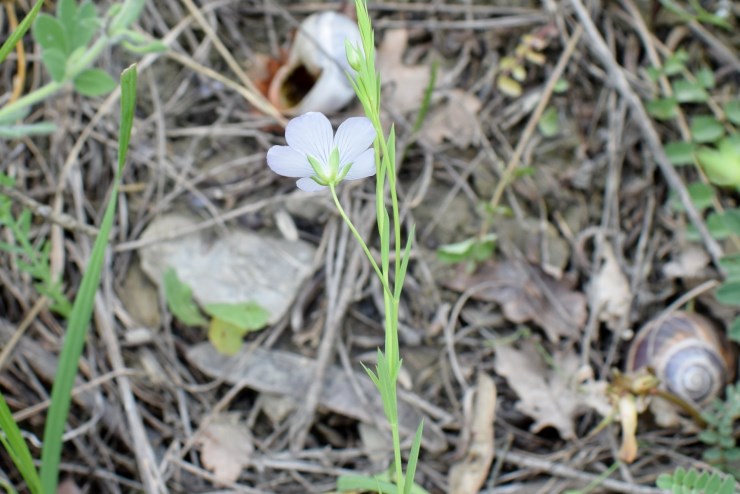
[(353, 137), (311, 133), (308, 184), (288, 162), (363, 166)]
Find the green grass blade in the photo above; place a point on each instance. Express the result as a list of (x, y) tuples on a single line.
[(17, 448), (413, 459), (79, 318), (20, 30), (398, 286)]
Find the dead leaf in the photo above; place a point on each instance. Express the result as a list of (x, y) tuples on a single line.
[(691, 262), (403, 85), (68, 486), (610, 291), (456, 120), (469, 475), (525, 294), (549, 395), (225, 447)]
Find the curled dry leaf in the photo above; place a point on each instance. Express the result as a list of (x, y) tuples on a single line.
[(225, 447), (526, 293), (456, 120), (468, 476), (610, 291), (549, 395)]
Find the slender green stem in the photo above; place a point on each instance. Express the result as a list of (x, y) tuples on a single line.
[(357, 235)]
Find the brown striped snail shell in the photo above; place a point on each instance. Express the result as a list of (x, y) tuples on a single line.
[(688, 354)]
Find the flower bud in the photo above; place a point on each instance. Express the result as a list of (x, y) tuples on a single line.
[(354, 56)]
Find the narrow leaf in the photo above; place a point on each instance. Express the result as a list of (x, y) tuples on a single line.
[(20, 31)]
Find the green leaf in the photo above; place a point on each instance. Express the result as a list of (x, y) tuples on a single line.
[(16, 447), (549, 125), (139, 43), (67, 15), (471, 249), (662, 108), (55, 62), (722, 164), (676, 62), (225, 337), (731, 265), (94, 82), (705, 77), (680, 152), (706, 128), (728, 486), (49, 33), (732, 110), (126, 16), (560, 86), (20, 31), (180, 301), (79, 319), (87, 24), (689, 92), (732, 220), (247, 316), (701, 194), (729, 293)]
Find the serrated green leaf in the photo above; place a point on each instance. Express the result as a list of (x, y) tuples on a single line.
[(662, 108), (732, 111), (247, 316), (729, 293), (225, 337), (180, 301), (55, 62), (689, 92), (48, 32), (706, 128), (549, 124), (705, 77), (680, 152), (94, 82)]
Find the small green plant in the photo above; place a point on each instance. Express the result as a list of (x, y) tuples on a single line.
[(31, 259), (228, 323), (723, 450), (69, 47), (45, 481), (691, 481)]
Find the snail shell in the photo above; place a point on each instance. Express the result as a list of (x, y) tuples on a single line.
[(688, 354), (315, 76)]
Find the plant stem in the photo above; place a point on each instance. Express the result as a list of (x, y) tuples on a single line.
[(357, 235)]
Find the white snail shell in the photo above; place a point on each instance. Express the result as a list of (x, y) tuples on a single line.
[(688, 354), (314, 77)]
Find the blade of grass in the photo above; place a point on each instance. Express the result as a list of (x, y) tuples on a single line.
[(17, 449), (79, 318), (20, 31), (413, 459)]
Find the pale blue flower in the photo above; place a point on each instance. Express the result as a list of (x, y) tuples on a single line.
[(321, 158)]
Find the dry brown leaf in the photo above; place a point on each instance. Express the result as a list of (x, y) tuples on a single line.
[(455, 121), (467, 476), (225, 447), (68, 486), (691, 262), (610, 291), (549, 395), (403, 85), (526, 293)]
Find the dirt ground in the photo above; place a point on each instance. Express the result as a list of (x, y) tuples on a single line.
[(509, 358)]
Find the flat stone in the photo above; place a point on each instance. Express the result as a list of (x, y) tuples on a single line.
[(229, 267)]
